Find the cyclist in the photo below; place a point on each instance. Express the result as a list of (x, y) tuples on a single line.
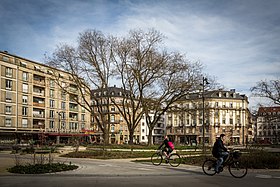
[(220, 152), (168, 146)]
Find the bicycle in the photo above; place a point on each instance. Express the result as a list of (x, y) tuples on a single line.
[(236, 168), (174, 158)]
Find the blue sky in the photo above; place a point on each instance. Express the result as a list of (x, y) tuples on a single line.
[(238, 41)]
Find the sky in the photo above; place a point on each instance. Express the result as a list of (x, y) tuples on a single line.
[(237, 41)]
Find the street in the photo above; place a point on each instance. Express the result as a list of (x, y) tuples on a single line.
[(175, 179), (123, 172)]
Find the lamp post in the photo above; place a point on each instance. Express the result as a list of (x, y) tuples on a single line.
[(204, 83), (58, 136)]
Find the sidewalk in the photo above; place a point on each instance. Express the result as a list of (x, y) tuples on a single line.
[(114, 167)]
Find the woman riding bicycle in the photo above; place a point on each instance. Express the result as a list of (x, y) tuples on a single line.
[(168, 146), (219, 151)]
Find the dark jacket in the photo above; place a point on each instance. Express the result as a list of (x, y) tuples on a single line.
[(218, 148), (165, 143)]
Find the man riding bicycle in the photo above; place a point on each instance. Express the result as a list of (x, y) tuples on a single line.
[(219, 151)]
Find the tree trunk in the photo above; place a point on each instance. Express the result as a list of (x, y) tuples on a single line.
[(150, 137), (106, 137), (131, 132)]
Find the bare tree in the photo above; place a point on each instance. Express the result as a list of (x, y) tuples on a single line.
[(268, 89), (154, 77), (89, 66)]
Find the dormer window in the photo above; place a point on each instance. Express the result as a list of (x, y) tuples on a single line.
[(23, 64)]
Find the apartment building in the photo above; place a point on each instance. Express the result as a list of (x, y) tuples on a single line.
[(268, 125), (223, 112), (157, 133), (33, 106), (103, 105)]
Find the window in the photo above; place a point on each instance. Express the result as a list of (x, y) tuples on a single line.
[(24, 99), (24, 123), (8, 96), (63, 105), (112, 128), (63, 95), (51, 93), (8, 109), (112, 109), (25, 88), (51, 114), (8, 122), (9, 84), (51, 83), (112, 118), (9, 72), (73, 125), (63, 115), (25, 76), (83, 109), (63, 125), (51, 103), (51, 125), (24, 111), (6, 59), (83, 125), (83, 117), (63, 85)]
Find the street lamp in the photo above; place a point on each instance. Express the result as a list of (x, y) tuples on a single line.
[(204, 83), (58, 137)]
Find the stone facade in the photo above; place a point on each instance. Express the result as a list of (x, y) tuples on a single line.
[(224, 112), (268, 125), (33, 106)]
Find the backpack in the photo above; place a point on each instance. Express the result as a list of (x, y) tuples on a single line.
[(215, 150), (170, 144)]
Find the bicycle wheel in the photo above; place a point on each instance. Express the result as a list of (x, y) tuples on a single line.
[(208, 167), (174, 160), (237, 169), (156, 159)]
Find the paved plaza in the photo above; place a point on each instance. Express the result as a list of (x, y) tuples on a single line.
[(125, 172)]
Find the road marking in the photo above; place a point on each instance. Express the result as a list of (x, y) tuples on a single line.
[(105, 165), (264, 176), (146, 169)]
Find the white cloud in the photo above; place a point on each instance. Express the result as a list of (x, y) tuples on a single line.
[(238, 41)]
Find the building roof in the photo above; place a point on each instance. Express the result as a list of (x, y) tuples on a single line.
[(113, 91), (269, 110), (217, 94)]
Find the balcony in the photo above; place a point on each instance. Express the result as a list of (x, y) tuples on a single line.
[(73, 90), (39, 126), (38, 91), (74, 109), (42, 94), (73, 118), (38, 115), (39, 104), (39, 82)]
